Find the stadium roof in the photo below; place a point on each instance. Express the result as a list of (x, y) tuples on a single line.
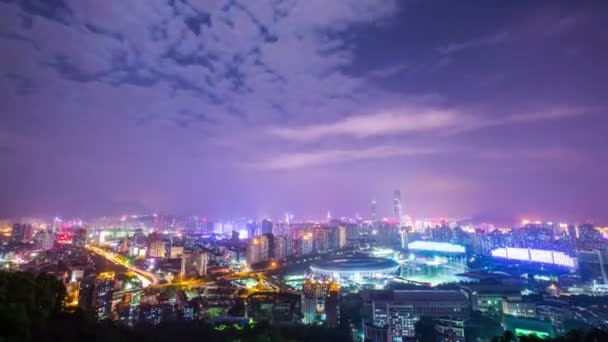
[(355, 264)]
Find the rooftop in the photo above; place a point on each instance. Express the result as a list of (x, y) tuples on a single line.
[(355, 264)]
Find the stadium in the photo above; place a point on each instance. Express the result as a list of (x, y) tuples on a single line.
[(356, 268)]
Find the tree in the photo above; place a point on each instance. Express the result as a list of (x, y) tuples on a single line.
[(425, 329), (481, 326)]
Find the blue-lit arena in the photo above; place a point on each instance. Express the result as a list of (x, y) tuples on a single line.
[(356, 268)]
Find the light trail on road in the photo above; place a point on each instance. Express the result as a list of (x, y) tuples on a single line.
[(151, 278)]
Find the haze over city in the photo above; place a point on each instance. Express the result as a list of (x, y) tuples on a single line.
[(303, 170), (494, 111)]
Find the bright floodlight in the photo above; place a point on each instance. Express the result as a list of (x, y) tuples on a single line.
[(431, 246)]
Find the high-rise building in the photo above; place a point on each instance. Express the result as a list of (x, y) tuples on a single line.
[(194, 263), (22, 233), (519, 308), (157, 249), (86, 293), (332, 306), (257, 250), (139, 239), (271, 245), (593, 265), (588, 233), (280, 247), (305, 244), (333, 238), (399, 310), (252, 230), (341, 237), (273, 307), (266, 227), (403, 237), (397, 209), (104, 290), (321, 240), (373, 208), (176, 252), (320, 302), (45, 240), (80, 237)]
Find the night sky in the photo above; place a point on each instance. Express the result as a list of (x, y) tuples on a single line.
[(490, 109)]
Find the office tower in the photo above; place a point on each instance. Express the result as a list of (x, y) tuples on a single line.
[(257, 250), (104, 290), (266, 227), (399, 310), (80, 237), (373, 210), (397, 210), (320, 300)]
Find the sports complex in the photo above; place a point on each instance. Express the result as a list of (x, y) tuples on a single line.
[(355, 268)]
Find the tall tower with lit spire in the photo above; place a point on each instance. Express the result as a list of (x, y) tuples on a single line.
[(373, 209), (397, 210)]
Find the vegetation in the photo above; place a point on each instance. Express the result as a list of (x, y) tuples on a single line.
[(31, 309)]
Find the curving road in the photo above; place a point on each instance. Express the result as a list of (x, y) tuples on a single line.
[(150, 279)]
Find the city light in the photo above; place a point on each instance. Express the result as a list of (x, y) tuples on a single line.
[(435, 247), (557, 258)]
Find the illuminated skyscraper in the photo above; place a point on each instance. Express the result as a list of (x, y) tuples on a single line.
[(341, 237), (399, 310), (279, 247), (397, 210), (252, 229), (104, 290), (403, 236), (266, 227), (157, 249), (373, 209), (320, 300), (194, 263), (305, 244), (257, 250), (321, 240)]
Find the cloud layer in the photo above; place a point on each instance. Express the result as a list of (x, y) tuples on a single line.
[(201, 106)]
